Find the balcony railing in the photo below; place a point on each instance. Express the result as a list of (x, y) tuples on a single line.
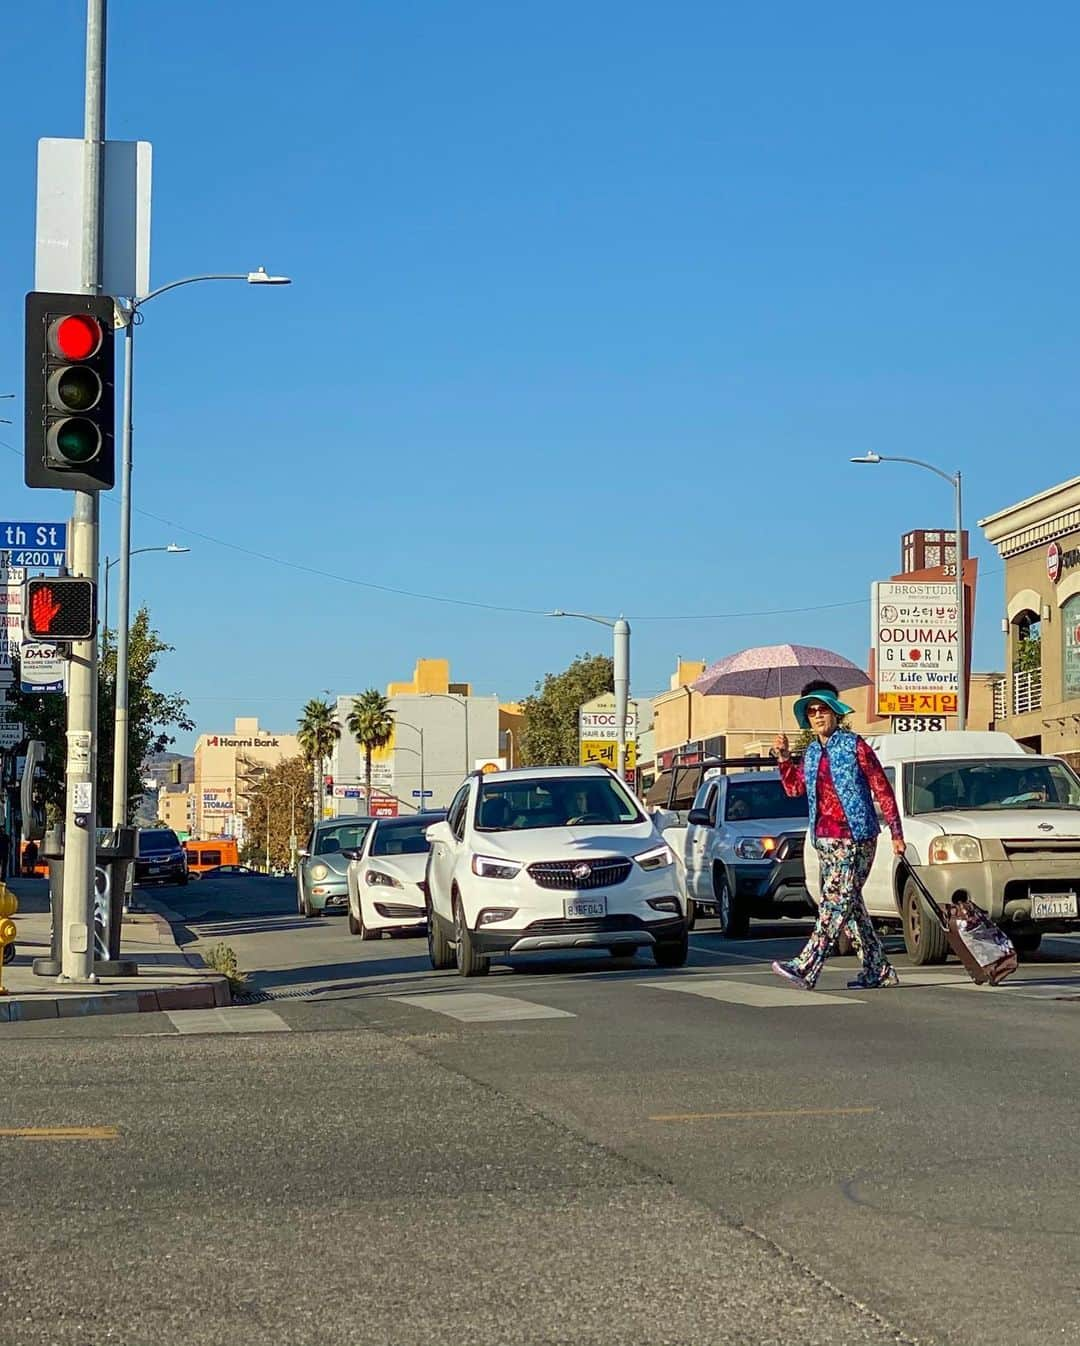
[(1027, 691), (1001, 698)]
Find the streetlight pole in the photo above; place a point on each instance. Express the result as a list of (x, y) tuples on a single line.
[(954, 480), (172, 548), (402, 724), (620, 629), (128, 315)]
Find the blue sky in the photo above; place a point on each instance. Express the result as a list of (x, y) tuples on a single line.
[(591, 306)]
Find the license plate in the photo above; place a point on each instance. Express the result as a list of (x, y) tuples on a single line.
[(1052, 906), (584, 907), (155, 869)]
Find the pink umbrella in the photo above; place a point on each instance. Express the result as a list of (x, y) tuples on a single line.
[(778, 670)]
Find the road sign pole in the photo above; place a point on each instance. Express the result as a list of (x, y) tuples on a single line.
[(123, 617), (961, 624), (80, 836)]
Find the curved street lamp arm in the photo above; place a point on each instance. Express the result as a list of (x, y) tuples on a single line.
[(188, 280), (918, 462)]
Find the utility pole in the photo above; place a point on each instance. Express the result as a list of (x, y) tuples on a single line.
[(621, 671), (80, 831)]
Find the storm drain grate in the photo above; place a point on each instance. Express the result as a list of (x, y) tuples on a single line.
[(261, 997)]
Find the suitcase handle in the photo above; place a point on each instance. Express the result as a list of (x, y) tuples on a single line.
[(904, 863)]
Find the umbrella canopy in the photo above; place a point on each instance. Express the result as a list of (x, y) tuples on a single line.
[(778, 670)]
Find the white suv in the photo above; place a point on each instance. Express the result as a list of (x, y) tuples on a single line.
[(550, 858)]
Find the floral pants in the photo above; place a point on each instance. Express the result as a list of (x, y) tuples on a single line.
[(845, 867)]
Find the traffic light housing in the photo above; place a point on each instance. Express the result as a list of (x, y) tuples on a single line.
[(70, 392), (59, 609)]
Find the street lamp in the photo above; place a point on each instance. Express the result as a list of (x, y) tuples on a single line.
[(172, 548), (620, 628), (953, 478), (127, 315), (402, 724), (463, 702)]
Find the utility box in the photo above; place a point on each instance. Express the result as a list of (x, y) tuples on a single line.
[(114, 859)]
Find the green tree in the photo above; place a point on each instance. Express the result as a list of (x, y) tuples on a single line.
[(285, 793), (152, 716), (550, 735), (318, 733), (371, 723)]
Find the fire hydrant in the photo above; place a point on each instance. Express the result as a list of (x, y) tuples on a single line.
[(9, 905)]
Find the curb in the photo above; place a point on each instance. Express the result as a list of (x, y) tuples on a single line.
[(211, 994)]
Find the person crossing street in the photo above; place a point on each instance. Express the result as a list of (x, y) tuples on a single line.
[(842, 779)]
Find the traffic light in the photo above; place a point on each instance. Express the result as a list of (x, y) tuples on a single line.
[(70, 392), (59, 609)]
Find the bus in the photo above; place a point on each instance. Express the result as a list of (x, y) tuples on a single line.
[(204, 855)]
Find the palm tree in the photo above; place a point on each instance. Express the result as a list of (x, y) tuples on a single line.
[(318, 733), (371, 723)]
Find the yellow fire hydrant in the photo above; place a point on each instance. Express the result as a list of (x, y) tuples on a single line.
[(9, 905)]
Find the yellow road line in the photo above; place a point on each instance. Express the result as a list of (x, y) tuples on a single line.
[(60, 1132), (779, 1112)]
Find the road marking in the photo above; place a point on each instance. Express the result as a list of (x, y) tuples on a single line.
[(747, 993), (60, 1132), (236, 1019), (762, 1112), (473, 1008)]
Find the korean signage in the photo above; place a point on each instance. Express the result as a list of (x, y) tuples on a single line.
[(217, 801), (915, 648), (598, 733), (604, 754), (12, 579)]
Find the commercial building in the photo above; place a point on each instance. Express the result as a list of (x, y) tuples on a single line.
[(442, 731), (176, 809), (1038, 698), (227, 768)]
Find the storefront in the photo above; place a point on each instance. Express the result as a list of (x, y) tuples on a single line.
[(1038, 700)]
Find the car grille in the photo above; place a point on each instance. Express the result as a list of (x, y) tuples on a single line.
[(602, 873), (559, 925), (1040, 847)]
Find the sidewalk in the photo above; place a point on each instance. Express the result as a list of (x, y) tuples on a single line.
[(168, 978)]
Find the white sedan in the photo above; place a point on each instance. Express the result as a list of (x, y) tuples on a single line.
[(386, 877)]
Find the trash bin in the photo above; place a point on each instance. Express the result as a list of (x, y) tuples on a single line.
[(115, 855)]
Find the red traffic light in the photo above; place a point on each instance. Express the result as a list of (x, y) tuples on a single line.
[(75, 337), (59, 609)]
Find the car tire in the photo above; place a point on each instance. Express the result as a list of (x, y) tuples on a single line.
[(691, 913), (623, 950), (182, 883), (469, 962), (366, 932), (672, 952), (924, 938), (354, 924), (440, 950), (734, 917), (1026, 942), (306, 909)]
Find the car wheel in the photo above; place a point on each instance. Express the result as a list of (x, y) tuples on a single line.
[(691, 913), (924, 938), (469, 962), (366, 931), (673, 952), (1026, 941), (440, 950), (182, 882), (623, 950), (306, 909), (354, 924), (734, 918)]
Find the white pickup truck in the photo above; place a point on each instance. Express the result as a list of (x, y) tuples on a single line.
[(982, 815)]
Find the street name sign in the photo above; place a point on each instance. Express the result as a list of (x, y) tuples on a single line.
[(39, 545)]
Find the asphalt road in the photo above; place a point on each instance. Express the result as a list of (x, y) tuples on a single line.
[(577, 1151)]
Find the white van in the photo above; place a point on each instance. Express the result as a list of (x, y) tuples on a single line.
[(982, 815)]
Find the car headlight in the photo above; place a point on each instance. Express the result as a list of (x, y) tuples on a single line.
[(656, 857), (491, 867), (755, 848), (318, 873), (376, 877), (955, 850)]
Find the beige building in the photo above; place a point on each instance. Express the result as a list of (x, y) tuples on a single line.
[(1038, 698), (176, 808), (227, 768)]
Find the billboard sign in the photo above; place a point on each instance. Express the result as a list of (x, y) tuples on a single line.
[(915, 648), (217, 801)]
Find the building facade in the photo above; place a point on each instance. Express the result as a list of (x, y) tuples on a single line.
[(227, 768), (1038, 698), (176, 809)]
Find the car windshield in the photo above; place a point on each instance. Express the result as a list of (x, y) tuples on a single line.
[(993, 783), (401, 838), (761, 799), (165, 840), (558, 801), (330, 840)]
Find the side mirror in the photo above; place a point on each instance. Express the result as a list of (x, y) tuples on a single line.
[(439, 831), (350, 852), (302, 855), (664, 818), (698, 818)]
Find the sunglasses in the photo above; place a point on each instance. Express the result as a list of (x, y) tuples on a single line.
[(820, 710)]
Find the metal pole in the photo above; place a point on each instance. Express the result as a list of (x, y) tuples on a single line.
[(292, 829), (961, 625), (80, 817), (622, 691), (423, 797), (123, 616), (105, 605), (268, 833)]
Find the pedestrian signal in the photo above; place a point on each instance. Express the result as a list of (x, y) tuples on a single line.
[(59, 609)]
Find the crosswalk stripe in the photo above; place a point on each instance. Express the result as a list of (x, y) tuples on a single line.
[(237, 1019), (476, 1008), (748, 993)]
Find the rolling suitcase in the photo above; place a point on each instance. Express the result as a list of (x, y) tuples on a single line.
[(984, 949)]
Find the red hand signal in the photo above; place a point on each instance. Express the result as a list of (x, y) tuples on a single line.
[(43, 609)]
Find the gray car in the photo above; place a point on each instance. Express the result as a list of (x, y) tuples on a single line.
[(321, 882)]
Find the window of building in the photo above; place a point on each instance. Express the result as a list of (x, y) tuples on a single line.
[(1070, 636)]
